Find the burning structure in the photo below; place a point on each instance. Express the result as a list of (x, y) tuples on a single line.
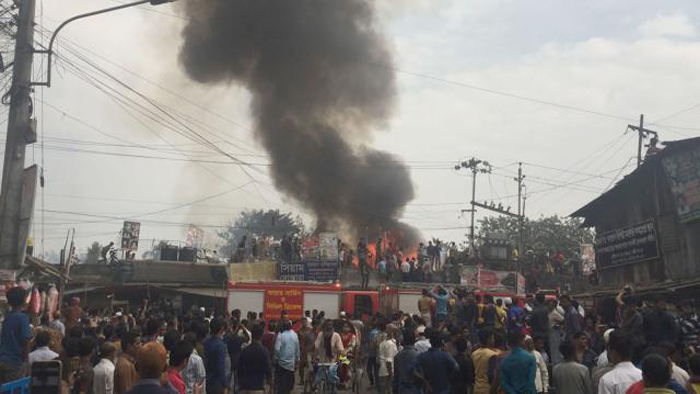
[(320, 74)]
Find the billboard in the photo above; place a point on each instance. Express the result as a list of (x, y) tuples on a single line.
[(626, 245), (130, 235), (253, 272), (493, 281), (195, 237), (683, 173), (328, 246), (310, 247), (588, 258)]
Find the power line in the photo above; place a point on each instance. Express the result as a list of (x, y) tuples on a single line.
[(102, 86), (463, 84), (141, 215), (673, 115)]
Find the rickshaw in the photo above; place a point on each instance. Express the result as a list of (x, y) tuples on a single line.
[(351, 362)]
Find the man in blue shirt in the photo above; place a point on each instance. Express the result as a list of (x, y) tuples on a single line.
[(404, 381), (516, 316), (286, 357), (517, 373), (434, 368), (572, 320), (14, 339), (441, 299), (372, 367), (215, 358)]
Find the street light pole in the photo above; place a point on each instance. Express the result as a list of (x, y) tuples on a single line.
[(49, 50), (18, 184)]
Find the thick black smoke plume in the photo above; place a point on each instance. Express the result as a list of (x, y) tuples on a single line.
[(318, 72)]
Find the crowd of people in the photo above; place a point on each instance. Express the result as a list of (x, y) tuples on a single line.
[(459, 342), (435, 262)]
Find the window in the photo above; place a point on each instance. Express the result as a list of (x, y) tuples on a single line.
[(363, 304)]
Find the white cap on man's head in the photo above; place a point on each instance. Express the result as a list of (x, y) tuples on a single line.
[(606, 334)]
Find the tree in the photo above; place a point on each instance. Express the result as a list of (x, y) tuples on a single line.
[(249, 223), (541, 235), (93, 253)]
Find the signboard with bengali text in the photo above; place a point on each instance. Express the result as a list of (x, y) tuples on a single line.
[(288, 300), (292, 272), (309, 271), (321, 270), (626, 245)]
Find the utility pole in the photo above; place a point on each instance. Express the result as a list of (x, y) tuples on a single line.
[(521, 210), (641, 140), (476, 166), (522, 221), (21, 131), (643, 133)]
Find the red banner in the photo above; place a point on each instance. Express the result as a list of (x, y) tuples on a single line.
[(289, 300)]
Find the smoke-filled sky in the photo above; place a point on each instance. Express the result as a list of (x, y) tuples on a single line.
[(321, 79), (615, 59)]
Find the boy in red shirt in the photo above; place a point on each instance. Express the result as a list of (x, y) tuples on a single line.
[(179, 356)]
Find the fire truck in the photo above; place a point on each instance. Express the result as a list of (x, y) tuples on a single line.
[(296, 298)]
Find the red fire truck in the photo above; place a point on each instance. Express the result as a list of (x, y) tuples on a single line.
[(295, 298)]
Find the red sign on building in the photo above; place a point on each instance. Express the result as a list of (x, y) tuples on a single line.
[(289, 300)]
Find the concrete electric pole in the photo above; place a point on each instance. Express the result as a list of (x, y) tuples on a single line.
[(18, 184), (476, 166), (521, 210), (643, 133), (17, 193)]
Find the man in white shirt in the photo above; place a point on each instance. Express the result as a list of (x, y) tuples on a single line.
[(42, 352), (103, 379), (625, 373), (677, 373), (387, 351), (603, 357), (422, 342), (542, 373), (405, 270)]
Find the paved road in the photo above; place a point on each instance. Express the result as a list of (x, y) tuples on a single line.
[(364, 387)]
